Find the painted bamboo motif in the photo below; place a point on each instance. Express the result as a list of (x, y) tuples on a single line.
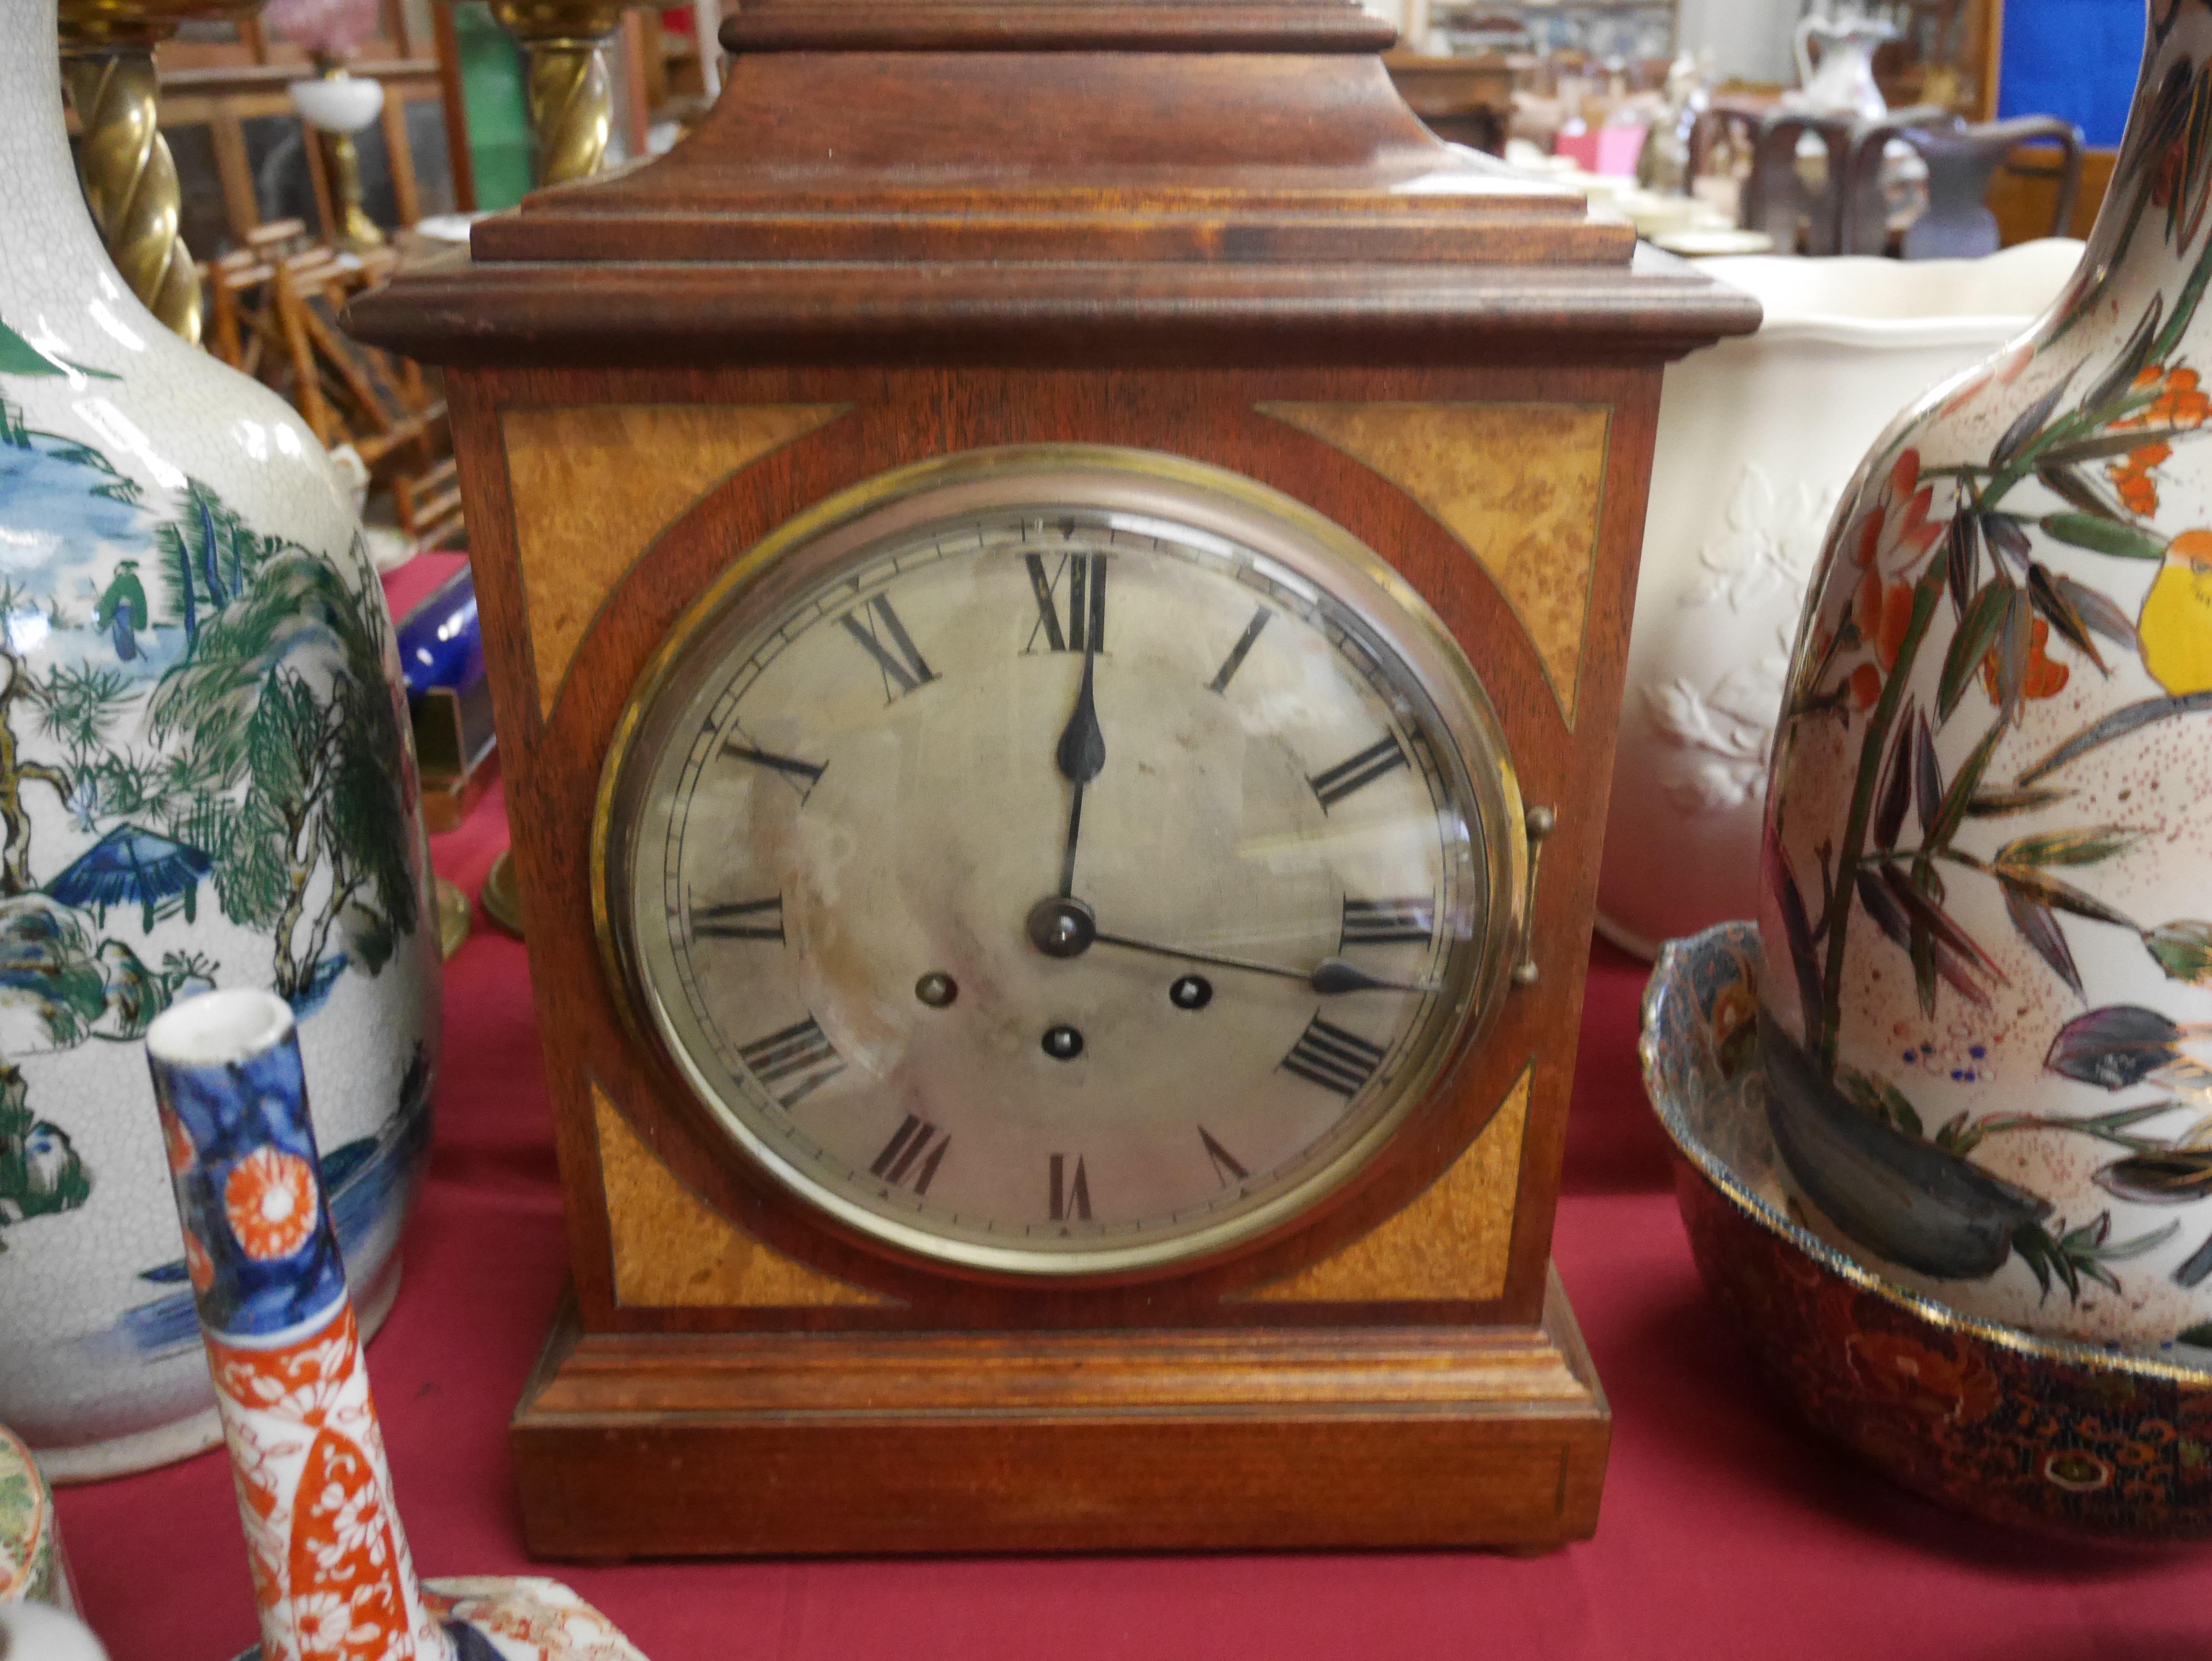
[(1988, 872)]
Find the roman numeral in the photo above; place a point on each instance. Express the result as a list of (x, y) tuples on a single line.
[(1071, 1199), (1385, 923), (1226, 1168), (1361, 770), (800, 1053), (747, 920), (1333, 1058), (800, 776), (903, 666), (1238, 652), (1084, 576), (909, 1143)]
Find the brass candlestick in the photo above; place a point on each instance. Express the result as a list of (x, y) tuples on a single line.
[(571, 93), (356, 230), (130, 179), (571, 114)]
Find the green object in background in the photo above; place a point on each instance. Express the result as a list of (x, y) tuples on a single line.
[(499, 113)]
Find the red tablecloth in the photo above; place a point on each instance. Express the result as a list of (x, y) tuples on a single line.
[(1725, 1532)]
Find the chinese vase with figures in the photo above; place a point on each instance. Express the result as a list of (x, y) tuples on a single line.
[(204, 781), (1987, 903), (331, 1575)]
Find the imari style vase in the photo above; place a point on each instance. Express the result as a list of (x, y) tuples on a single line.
[(32, 1566), (204, 781), (331, 1573), (1987, 903)]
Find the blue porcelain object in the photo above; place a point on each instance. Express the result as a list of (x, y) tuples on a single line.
[(332, 1574), (261, 1249), (441, 641)]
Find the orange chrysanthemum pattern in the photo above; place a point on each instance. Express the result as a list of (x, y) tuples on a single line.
[(331, 1571), (178, 1141), (1895, 534), (1900, 1370), (1899, 518), (269, 1200), (197, 1264), (1883, 612)]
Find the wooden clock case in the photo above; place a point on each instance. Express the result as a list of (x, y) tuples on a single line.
[(910, 230)]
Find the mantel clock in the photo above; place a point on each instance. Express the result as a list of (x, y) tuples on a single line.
[(1056, 579)]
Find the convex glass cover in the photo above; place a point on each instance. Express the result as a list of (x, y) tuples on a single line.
[(1061, 861)]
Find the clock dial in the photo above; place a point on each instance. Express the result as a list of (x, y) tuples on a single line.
[(1061, 868)]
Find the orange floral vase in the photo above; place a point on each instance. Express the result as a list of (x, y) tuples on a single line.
[(331, 1574), (1987, 895)]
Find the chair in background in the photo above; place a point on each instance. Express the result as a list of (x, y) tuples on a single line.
[(1723, 128), (1962, 160), (242, 327), (1872, 201), (350, 393), (1778, 198), (429, 506)]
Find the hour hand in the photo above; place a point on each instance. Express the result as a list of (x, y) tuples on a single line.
[(1081, 754), (1082, 750)]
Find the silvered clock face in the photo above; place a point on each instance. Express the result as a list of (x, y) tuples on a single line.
[(1064, 863)]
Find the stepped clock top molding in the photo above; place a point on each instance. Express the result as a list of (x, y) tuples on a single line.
[(1195, 178)]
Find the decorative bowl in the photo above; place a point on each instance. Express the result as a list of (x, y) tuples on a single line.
[(2039, 1433)]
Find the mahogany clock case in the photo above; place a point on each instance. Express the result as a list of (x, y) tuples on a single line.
[(1212, 254), (872, 422)]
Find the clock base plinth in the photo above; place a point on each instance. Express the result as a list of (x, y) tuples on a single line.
[(685, 1445)]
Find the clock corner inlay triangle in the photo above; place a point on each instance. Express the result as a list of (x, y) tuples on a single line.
[(1519, 485), (671, 1250), (1454, 1242), (584, 509)]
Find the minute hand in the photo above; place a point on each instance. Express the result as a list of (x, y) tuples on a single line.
[(1330, 976)]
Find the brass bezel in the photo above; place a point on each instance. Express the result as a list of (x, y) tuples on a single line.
[(844, 528)]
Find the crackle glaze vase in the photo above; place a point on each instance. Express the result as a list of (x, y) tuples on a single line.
[(1757, 439), (204, 781), (1987, 898)]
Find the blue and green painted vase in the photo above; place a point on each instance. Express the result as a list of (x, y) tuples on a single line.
[(205, 781)]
